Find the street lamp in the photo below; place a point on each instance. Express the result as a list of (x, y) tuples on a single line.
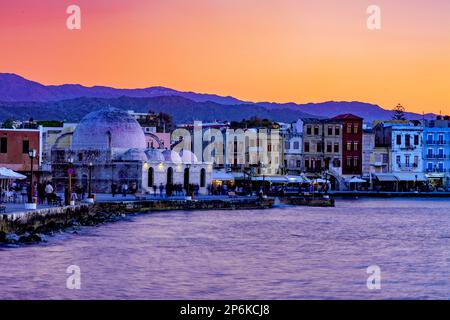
[(70, 173), (31, 204), (90, 180)]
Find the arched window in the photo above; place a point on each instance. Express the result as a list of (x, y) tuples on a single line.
[(186, 178), (150, 180), (202, 178), (170, 176)]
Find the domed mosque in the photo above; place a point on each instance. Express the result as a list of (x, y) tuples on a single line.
[(112, 143)]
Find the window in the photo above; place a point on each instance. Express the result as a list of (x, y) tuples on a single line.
[(336, 147), (407, 140), (441, 153), (319, 146), (430, 138), (399, 139), (296, 145), (299, 163), (349, 162), (355, 162), (316, 130), (430, 166), (441, 167), (349, 146), (441, 138), (416, 140), (287, 145), (430, 153), (355, 128), (25, 146), (349, 128), (385, 158), (308, 130), (407, 161), (306, 163), (329, 147), (306, 146), (330, 130), (4, 145), (398, 159), (355, 146), (416, 161), (337, 130)]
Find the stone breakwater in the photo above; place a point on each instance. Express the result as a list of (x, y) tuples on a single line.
[(31, 226)]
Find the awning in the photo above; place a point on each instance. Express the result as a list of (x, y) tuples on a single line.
[(220, 175), (420, 177), (282, 179), (385, 177), (6, 173), (297, 179)]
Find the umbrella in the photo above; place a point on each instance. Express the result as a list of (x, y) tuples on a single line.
[(6, 173), (356, 180)]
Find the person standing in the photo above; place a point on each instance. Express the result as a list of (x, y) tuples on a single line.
[(113, 189), (161, 189), (48, 192), (124, 189)]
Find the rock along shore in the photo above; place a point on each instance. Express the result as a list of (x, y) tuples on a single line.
[(30, 226)]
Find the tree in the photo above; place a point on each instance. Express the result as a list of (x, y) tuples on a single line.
[(8, 124), (162, 121), (399, 113)]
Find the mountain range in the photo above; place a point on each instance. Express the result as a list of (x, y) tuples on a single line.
[(21, 98)]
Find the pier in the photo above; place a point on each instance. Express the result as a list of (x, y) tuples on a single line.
[(28, 226)]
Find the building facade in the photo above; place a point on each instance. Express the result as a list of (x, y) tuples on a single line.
[(352, 143), (111, 145), (404, 140), (14, 147), (436, 151)]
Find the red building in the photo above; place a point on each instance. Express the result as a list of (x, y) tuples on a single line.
[(352, 143), (14, 146)]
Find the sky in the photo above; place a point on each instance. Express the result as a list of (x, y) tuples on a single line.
[(255, 50)]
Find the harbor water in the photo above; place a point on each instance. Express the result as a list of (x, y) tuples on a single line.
[(281, 253)]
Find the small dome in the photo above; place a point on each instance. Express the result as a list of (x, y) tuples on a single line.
[(133, 155), (154, 155), (188, 157), (108, 128), (171, 156)]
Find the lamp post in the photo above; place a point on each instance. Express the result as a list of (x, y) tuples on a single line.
[(31, 204), (90, 181), (188, 196), (70, 173)]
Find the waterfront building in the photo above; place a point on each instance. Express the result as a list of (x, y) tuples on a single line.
[(14, 147), (322, 149), (436, 151), (404, 141), (293, 148), (60, 135), (352, 143), (112, 144), (368, 146)]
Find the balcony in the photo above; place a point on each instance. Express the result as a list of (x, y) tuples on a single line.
[(436, 156), (436, 142), (406, 148)]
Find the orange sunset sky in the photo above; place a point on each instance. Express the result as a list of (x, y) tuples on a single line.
[(258, 50)]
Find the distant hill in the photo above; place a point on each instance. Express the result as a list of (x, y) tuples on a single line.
[(21, 98), (182, 109)]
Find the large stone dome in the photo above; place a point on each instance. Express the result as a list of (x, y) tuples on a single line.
[(108, 128)]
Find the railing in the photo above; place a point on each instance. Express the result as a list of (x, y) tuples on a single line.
[(439, 142)]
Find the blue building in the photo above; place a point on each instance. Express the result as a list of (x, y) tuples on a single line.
[(436, 151)]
